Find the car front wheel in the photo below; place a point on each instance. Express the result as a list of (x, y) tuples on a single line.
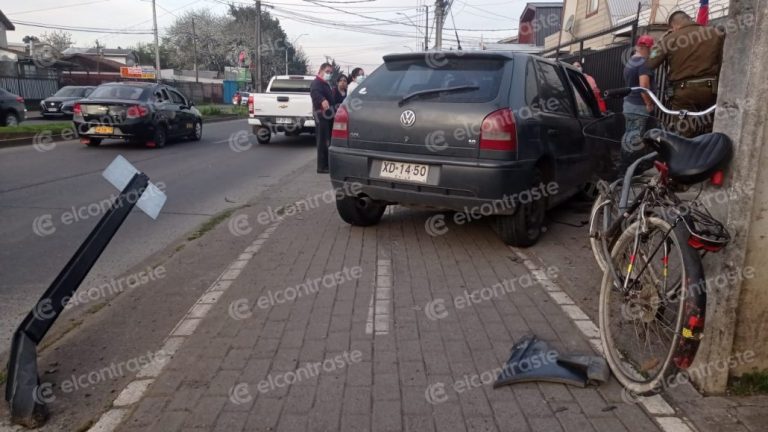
[(360, 211), (197, 135)]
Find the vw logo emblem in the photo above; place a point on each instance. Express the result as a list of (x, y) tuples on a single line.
[(407, 118)]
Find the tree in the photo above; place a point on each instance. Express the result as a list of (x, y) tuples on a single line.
[(58, 39), (210, 34), (146, 54)]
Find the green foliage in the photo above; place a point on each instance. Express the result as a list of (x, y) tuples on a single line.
[(750, 384)]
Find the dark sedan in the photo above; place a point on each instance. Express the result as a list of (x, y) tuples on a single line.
[(12, 110), (146, 113), (482, 133), (63, 101)]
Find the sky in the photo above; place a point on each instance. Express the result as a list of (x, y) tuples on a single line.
[(350, 40)]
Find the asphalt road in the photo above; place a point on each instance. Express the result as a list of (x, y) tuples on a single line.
[(60, 192)]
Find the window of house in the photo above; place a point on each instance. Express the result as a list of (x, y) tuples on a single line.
[(592, 7)]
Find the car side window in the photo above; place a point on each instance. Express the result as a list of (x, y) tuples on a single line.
[(177, 98), (531, 85), (582, 92), (553, 96)]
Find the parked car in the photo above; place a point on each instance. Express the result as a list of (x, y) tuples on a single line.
[(139, 112), (285, 107), (62, 102), (12, 109), (470, 132), (240, 98)]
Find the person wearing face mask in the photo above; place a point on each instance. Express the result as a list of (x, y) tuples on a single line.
[(340, 92), (355, 78), (322, 110)]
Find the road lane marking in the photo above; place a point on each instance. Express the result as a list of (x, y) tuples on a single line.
[(663, 413), (136, 389)]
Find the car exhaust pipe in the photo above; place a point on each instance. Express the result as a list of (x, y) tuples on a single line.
[(364, 202)]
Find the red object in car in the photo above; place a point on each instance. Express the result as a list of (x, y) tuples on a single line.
[(600, 101), (341, 124), (19, 99), (77, 109), (499, 131)]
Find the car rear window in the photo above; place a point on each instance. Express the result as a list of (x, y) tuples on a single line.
[(119, 92), (290, 86), (399, 78), (71, 92)]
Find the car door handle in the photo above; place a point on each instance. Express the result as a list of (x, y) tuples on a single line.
[(553, 132)]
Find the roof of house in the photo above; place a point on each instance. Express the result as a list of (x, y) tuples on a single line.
[(6, 22), (104, 51), (90, 62)]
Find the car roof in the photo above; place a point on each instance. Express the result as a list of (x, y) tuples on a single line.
[(132, 83)]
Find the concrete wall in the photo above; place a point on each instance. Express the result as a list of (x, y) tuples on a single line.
[(3, 37)]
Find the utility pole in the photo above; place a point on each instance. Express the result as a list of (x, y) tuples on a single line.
[(426, 29), (194, 49), (258, 46), (439, 19), (157, 42)]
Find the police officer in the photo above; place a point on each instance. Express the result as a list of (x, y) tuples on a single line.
[(694, 54), (322, 110)]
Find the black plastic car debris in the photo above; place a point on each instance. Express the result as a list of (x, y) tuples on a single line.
[(534, 360)]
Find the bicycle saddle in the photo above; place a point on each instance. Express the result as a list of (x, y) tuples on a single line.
[(691, 161)]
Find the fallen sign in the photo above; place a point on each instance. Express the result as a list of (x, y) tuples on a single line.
[(534, 360), (23, 384)]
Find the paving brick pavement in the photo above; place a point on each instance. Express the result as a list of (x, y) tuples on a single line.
[(232, 374)]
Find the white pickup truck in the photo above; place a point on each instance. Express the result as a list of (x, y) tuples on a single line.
[(285, 107)]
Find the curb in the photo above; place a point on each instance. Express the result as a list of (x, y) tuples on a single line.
[(28, 140)]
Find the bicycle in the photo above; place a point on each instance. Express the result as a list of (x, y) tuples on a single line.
[(653, 292)]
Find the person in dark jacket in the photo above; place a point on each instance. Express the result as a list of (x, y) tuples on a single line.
[(322, 110), (340, 92)]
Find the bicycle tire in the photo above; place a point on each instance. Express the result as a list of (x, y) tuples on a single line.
[(685, 337)]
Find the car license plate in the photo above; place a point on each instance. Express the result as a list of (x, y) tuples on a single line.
[(52, 109), (284, 120), (404, 171), (103, 129)]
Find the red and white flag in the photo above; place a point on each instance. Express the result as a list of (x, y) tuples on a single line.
[(702, 18)]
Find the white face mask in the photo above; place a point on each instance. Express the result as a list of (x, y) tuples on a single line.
[(327, 76), (360, 78)]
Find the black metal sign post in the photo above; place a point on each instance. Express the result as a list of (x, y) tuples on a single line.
[(23, 386)]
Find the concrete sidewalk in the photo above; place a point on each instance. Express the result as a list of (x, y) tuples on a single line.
[(321, 326)]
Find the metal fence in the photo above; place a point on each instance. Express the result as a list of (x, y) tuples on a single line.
[(606, 67), (30, 88)]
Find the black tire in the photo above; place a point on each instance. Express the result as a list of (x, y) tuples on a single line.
[(618, 320), (159, 137), (197, 135), (523, 228), (93, 142), (11, 119), (353, 212), (263, 135)]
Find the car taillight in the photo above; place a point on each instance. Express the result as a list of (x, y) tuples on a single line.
[(136, 111), (250, 104), (77, 109), (341, 124), (499, 131), (19, 99)]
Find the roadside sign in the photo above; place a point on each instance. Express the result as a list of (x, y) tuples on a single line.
[(140, 72)]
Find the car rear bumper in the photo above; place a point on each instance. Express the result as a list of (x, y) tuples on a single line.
[(460, 184), (120, 131), (297, 123)]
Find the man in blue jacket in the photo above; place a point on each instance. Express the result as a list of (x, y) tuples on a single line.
[(322, 110)]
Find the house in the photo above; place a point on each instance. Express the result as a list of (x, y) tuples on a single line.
[(126, 57), (5, 25), (538, 21), (585, 18)]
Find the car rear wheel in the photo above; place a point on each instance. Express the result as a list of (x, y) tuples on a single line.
[(159, 138), (360, 211), (523, 228), (263, 134), (11, 120)]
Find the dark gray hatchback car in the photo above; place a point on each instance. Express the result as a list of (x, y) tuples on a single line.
[(483, 133)]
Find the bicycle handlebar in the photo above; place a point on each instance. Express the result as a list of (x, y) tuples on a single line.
[(624, 91)]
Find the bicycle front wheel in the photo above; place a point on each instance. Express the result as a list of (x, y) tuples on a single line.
[(645, 316)]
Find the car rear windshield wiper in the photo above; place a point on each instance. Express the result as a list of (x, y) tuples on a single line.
[(409, 96)]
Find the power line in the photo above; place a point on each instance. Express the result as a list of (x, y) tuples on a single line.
[(81, 29)]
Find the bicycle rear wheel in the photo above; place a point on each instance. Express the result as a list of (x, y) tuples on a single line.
[(645, 324)]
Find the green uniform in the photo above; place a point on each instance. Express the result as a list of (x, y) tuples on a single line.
[(694, 54)]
